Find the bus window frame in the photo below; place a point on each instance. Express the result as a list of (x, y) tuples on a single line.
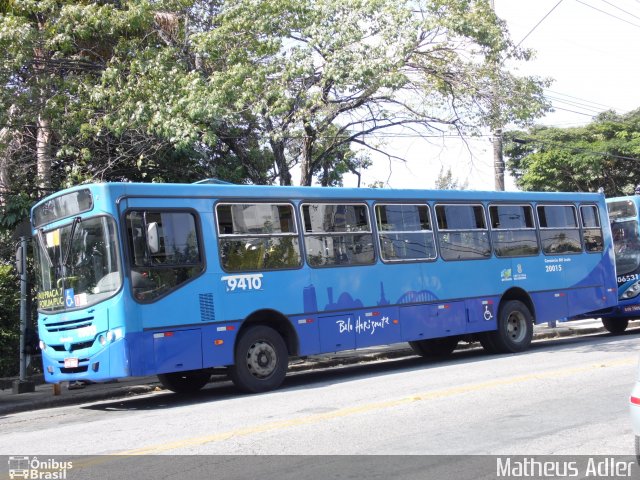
[(583, 228), (378, 232), (446, 230), (128, 256), (372, 231), (250, 201), (541, 228), (535, 228)]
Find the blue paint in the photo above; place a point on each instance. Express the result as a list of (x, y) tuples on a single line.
[(327, 309)]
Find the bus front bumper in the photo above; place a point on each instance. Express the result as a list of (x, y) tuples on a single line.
[(109, 363)]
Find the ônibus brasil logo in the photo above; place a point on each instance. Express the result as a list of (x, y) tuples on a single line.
[(33, 468)]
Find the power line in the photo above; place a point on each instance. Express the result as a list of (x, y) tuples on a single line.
[(608, 107), (538, 24), (607, 13), (622, 10)]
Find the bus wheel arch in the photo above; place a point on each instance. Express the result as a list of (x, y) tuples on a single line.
[(279, 322), (514, 329), (261, 352)]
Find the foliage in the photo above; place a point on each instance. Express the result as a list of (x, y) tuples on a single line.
[(602, 154), (9, 321), (244, 90), (446, 181)]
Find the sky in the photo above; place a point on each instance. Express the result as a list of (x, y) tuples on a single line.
[(590, 48)]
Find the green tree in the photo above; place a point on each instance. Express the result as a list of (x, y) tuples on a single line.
[(446, 181), (9, 321), (603, 154), (318, 75), (246, 90)]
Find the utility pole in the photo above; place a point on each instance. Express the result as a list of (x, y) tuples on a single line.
[(22, 385), (498, 159)]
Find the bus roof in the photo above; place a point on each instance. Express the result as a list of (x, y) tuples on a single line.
[(261, 192)]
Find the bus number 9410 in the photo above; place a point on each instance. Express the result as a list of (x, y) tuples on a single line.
[(243, 282)]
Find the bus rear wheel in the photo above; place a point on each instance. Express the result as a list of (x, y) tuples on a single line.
[(435, 347), (615, 325), (185, 382), (515, 329), (261, 360)]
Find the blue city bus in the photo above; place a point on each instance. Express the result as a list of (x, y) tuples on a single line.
[(179, 279), (623, 215)]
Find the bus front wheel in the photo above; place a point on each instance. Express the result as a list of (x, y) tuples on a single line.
[(261, 360), (185, 382), (434, 347), (515, 329), (615, 325)]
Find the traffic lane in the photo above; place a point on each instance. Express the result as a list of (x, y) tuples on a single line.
[(361, 399)]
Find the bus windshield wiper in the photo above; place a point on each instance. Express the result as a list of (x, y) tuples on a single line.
[(72, 234), (43, 246)]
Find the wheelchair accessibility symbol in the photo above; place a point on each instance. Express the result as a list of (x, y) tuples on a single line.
[(69, 298), (488, 310)]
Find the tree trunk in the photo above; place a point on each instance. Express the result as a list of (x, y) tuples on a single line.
[(306, 163), (11, 141), (277, 147), (43, 155)]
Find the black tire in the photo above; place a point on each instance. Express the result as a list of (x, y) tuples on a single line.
[(261, 360), (615, 325), (435, 347), (185, 382), (637, 449), (515, 329)]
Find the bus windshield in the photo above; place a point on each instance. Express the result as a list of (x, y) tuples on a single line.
[(626, 246), (78, 264)]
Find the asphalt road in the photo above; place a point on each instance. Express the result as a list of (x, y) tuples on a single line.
[(562, 397)]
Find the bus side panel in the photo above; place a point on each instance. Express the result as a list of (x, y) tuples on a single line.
[(178, 350), (434, 320), (482, 314), (337, 332), (550, 305), (217, 344), (307, 329), (140, 348), (581, 299), (377, 327)]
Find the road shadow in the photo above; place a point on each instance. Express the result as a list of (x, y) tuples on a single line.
[(221, 389)]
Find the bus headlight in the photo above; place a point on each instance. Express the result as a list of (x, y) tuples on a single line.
[(43, 346), (631, 292)]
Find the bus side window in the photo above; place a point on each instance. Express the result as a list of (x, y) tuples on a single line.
[(175, 256), (591, 230), (559, 229), (462, 232), (513, 231), (257, 236), (337, 235), (405, 232)]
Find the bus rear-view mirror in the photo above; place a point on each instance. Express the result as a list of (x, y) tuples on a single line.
[(153, 237)]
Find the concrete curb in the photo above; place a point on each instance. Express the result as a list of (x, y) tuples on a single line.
[(43, 397)]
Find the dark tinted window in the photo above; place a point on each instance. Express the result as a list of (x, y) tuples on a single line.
[(165, 251), (591, 231), (462, 232), (513, 231), (559, 231), (405, 232)]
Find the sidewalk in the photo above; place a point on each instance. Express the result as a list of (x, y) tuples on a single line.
[(44, 397)]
